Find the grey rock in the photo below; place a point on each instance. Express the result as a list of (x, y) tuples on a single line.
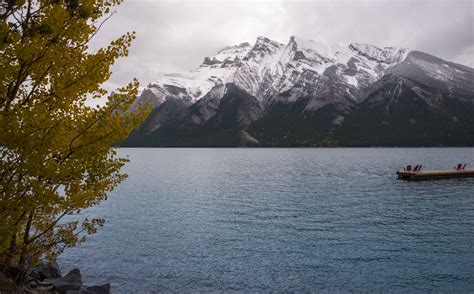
[(71, 281), (28, 291), (46, 271), (43, 283), (35, 275), (45, 288), (32, 283), (209, 61)]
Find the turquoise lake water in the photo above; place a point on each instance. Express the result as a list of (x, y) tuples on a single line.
[(283, 220)]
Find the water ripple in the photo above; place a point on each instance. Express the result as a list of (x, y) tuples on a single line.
[(283, 220)]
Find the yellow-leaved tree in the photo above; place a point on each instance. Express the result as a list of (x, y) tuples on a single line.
[(57, 154)]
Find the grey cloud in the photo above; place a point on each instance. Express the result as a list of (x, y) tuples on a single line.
[(176, 35)]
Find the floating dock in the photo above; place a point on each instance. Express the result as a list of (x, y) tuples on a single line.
[(435, 174)]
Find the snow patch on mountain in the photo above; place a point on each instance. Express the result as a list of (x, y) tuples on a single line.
[(232, 52), (351, 80), (387, 55), (438, 71)]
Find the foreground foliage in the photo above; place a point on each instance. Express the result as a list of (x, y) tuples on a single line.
[(56, 151)]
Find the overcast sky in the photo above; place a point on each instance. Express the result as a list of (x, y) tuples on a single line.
[(174, 35)]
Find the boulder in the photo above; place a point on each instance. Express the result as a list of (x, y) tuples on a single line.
[(47, 279), (44, 288), (71, 281), (46, 271)]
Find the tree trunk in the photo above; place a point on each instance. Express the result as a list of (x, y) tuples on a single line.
[(24, 249)]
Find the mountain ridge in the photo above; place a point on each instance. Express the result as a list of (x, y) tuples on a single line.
[(306, 93)]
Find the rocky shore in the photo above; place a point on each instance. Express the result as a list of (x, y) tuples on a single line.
[(47, 278)]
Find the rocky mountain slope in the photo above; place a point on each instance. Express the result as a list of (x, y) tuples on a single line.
[(306, 93)]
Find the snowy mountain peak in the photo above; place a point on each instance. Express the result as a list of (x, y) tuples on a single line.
[(234, 48), (319, 51), (263, 46), (386, 55), (233, 52), (316, 46), (264, 40), (268, 68)]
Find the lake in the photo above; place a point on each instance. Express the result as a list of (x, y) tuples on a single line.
[(283, 220)]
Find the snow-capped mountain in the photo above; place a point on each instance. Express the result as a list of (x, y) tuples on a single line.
[(303, 90), (269, 67)]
